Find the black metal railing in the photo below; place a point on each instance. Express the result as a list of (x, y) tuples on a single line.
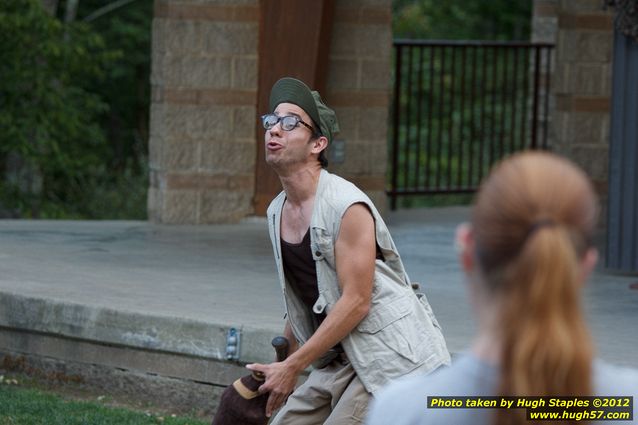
[(460, 106)]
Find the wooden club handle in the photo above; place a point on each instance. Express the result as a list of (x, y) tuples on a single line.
[(281, 346)]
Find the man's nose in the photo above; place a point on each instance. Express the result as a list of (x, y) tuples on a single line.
[(276, 129)]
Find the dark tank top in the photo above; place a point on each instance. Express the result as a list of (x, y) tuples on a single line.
[(301, 273)]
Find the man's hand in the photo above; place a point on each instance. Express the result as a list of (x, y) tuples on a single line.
[(281, 379)]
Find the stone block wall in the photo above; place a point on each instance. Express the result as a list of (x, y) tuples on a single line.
[(204, 91), (359, 89), (204, 95), (581, 83)]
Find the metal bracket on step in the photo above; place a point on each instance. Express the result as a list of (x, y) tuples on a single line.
[(232, 344)]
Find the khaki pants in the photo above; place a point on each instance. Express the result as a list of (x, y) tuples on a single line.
[(333, 395)]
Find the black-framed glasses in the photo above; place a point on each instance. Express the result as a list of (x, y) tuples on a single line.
[(288, 122)]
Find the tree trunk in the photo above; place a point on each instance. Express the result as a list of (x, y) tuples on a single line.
[(71, 11)]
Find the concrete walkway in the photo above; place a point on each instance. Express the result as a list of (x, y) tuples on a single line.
[(177, 289)]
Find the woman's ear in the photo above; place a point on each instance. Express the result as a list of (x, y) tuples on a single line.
[(588, 263), (464, 243)]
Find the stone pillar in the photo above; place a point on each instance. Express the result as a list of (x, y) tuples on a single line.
[(582, 87), (204, 91), (359, 89)]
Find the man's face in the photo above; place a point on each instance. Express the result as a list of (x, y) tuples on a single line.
[(285, 148)]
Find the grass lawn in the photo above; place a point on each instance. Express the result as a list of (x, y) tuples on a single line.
[(27, 406)]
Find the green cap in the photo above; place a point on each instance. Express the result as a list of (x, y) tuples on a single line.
[(291, 90)]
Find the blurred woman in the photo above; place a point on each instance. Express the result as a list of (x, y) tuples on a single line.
[(526, 254)]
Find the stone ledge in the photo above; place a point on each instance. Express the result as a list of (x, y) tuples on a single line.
[(169, 365), (126, 329)]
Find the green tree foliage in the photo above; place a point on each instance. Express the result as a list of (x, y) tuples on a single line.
[(121, 192), (50, 141), (462, 19), (126, 87), (73, 111)]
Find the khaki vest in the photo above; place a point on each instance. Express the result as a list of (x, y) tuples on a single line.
[(400, 334)]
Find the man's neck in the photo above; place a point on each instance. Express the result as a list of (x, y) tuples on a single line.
[(301, 185)]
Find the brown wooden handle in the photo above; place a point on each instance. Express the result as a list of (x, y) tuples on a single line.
[(281, 346)]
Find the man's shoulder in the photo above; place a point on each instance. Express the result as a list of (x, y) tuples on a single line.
[(340, 193), (334, 180)]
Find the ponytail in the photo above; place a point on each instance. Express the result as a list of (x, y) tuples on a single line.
[(546, 346), (532, 226)]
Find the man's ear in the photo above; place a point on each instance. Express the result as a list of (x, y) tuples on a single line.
[(464, 242), (319, 144)]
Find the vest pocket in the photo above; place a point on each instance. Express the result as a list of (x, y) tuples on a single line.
[(394, 329)]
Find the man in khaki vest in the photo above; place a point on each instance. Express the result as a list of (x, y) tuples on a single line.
[(350, 310)]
